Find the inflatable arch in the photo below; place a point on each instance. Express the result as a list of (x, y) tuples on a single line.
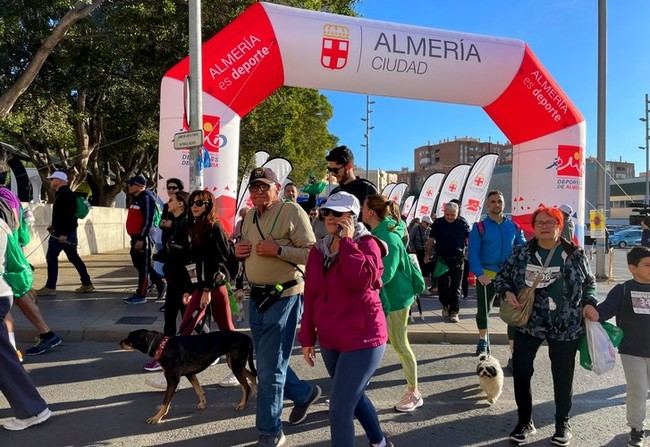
[(269, 46)]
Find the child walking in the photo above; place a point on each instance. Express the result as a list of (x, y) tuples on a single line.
[(630, 303)]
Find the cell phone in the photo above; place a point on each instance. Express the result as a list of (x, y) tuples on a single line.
[(339, 230)]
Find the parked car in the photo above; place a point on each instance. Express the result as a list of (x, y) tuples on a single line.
[(625, 238)]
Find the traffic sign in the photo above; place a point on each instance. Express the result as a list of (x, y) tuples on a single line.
[(184, 140)]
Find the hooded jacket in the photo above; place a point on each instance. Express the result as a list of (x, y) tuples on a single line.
[(492, 248), (342, 306), (397, 292)]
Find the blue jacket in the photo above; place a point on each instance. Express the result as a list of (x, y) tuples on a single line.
[(490, 250)]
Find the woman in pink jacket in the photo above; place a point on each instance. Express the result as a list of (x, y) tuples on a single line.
[(343, 311)]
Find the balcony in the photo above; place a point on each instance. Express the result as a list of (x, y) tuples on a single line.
[(425, 161)]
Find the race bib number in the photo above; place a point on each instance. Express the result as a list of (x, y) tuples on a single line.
[(640, 302), (548, 275)]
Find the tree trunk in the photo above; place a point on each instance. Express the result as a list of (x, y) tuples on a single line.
[(11, 95)]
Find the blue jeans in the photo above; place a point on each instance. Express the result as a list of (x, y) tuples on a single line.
[(350, 373), (274, 332), (15, 384), (54, 247)]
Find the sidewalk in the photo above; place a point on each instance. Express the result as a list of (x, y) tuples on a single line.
[(102, 316)]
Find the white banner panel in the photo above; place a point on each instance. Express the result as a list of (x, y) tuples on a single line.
[(452, 187), (408, 205), (476, 188), (321, 50), (397, 193), (428, 195), (387, 189)]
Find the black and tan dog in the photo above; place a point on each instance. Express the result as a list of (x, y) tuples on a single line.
[(189, 355)]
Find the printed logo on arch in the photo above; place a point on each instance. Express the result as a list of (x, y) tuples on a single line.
[(335, 46), (569, 161)]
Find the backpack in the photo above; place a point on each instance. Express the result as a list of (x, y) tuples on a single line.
[(83, 207), (18, 273), (157, 216)]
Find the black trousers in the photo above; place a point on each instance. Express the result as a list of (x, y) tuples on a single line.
[(449, 286), (563, 362), (175, 275), (142, 262)]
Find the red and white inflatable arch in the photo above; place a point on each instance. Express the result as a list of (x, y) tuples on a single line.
[(269, 46)]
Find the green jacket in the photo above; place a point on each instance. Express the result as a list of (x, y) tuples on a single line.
[(397, 291)]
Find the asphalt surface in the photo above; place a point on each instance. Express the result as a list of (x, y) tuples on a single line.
[(99, 398)]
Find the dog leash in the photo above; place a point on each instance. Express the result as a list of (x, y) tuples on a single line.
[(38, 246), (487, 321)]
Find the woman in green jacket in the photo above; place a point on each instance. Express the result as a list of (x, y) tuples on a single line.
[(397, 293)]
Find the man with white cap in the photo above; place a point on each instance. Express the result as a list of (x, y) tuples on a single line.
[(63, 236), (275, 241), (568, 230)]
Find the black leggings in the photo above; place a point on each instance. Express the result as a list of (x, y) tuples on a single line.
[(175, 275)]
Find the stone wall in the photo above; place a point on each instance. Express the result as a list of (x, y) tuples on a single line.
[(101, 231)]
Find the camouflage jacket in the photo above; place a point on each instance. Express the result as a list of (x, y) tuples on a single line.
[(579, 289)]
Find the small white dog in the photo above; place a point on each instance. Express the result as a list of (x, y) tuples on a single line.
[(490, 376)]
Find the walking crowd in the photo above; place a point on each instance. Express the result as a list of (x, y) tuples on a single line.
[(348, 273)]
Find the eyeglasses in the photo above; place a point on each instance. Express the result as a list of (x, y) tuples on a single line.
[(172, 188), (199, 203), (545, 223), (261, 187), (327, 212), (334, 169)]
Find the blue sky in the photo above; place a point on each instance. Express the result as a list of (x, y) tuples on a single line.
[(564, 36)]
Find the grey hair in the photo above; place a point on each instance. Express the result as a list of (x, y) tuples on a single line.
[(451, 206)]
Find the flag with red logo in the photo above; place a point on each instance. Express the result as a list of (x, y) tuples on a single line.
[(476, 187), (428, 195), (452, 187)]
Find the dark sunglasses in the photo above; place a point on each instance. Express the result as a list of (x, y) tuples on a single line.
[(327, 212), (335, 169), (263, 187), (172, 188), (199, 203)]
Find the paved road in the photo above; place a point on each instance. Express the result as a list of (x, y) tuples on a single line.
[(100, 399)]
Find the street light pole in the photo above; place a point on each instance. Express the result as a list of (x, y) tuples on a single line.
[(647, 154), (196, 91), (602, 113), (368, 129)]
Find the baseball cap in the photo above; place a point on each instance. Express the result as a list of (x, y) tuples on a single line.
[(59, 175), (264, 175), (566, 209), (138, 180), (427, 219), (340, 154), (342, 202)]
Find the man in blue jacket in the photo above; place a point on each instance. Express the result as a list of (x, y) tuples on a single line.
[(490, 245)]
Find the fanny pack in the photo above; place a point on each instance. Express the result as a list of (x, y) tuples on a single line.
[(266, 296)]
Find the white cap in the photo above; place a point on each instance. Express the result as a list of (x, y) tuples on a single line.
[(566, 209), (342, 202), (427, 219), (59, 175)]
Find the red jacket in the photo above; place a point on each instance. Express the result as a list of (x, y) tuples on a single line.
[(342, 305)]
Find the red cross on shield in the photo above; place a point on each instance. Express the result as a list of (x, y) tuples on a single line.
[(334, 53), (478, 181)]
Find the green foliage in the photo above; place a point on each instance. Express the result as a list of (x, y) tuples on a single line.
[(95, 102)]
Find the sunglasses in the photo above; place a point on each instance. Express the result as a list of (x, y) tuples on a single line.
[(327, 212), (262, 187), (199, 203), (172, 188), (335, 169)]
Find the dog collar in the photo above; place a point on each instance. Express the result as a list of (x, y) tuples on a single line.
[(160, 348)]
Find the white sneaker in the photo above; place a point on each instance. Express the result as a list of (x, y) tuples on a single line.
[(410, 401), (230, 381), (157, 381), (15, 424)]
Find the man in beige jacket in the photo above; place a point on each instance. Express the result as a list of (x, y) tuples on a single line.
[(276, 239)]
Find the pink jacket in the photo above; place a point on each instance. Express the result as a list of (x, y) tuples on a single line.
[(342, 305)]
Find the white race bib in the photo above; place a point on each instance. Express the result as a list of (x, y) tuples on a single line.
[(640, 302)]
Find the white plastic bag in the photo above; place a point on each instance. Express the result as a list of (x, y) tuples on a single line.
[(601, 349)]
